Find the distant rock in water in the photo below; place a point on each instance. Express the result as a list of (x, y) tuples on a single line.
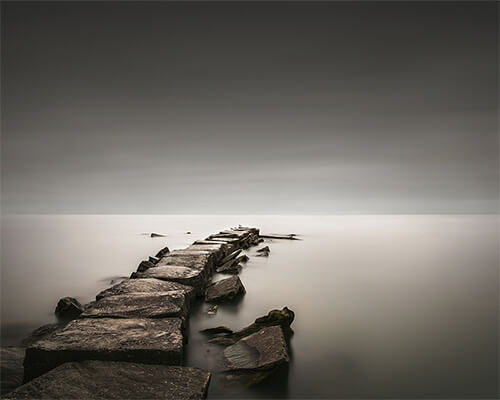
[(163, 252), (154, 235), (68, 308), (188, 233)]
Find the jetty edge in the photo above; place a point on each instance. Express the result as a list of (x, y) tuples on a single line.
[(134, 324)]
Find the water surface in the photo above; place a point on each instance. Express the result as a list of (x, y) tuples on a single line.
[(386, 306)]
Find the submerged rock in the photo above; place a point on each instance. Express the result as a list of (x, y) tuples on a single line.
[(149, 341), (140, 305), (40, 333), (224, 290), (116, 380), (11, 363), (216, 330), (68, 308), (282, 318), (230, 267), (152, 286)]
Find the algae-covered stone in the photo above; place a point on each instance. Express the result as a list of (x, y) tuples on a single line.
[(130, 286), (224, 290), (139, 305), (150, 341), (99, 380)]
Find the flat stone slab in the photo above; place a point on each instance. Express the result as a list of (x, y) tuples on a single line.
[(99, 380), (265, 349), (224, 290), (11, 363), (218, 249), (139, 305), (149, 341), (130, 286), (199, 260), (177, 273)]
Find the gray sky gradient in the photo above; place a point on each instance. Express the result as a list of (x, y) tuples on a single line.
[(274, 108)]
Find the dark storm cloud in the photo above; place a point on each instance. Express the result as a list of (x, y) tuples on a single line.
[(218, 107)]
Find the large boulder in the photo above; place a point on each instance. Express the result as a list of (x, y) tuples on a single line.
[(116, 380), (264, 349), (68, 308), (11, 363), (224, 290), (149, 341), (153, 286), (139, 305)]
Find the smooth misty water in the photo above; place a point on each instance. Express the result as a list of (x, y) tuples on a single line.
[(386, 306)]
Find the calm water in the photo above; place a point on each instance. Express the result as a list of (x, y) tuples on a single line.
[(386, 306)]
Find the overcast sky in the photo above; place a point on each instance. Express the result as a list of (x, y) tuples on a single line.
[(240, 108)]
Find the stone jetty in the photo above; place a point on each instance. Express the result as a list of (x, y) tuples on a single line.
[(109, 349)]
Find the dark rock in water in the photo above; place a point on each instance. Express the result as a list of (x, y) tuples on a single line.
[(264, 249), (68, 308), (144, 266), (162, 252), (153, 260), (40, 333), (216, 330), (175, 273), (152, 286), (264, 349), (224, 290), (283, 318), (188, 233), (264, 254), (11, 363), (98, 380), (140, 305), (212, 310), (149, 341), (153, 235), (230, 257), (244, 258), (230, 267)]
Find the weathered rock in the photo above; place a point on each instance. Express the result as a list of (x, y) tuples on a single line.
[(176, 273), (11, 363), (291, 236), (203, 261), (230, 257), (162, 252), (116, 380), (139, 305), (244, 258), (149, 341), (264, 349), (216, 330), (219, 250), (68, 308), (145, 265), (40, 333), (264, 249), (231, 267), (130, 286), (264, 254), (224, 290), (282, 318), (212, 310), (155, 235), (153, 260)]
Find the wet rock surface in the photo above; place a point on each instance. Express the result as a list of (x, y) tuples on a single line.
[(225, 290), (131, 286), (151, 341), (116, 380), (139, 305), (11, 363), (68, 308)]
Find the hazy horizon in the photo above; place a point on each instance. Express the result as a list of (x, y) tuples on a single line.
[(290, 108)]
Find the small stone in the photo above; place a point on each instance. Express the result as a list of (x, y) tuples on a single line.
[(154, 235), (68, 308), (212, 310), (216, 330), (224, 290), (264, 249)]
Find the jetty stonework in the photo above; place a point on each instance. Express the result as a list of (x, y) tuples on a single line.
[(140, 320)]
